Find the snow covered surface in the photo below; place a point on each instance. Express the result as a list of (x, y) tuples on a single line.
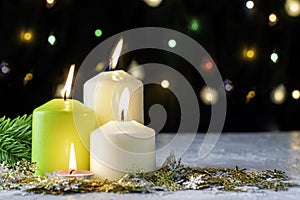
[(255, 151)]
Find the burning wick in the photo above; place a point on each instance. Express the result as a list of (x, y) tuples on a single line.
[(65, 95), (122, 115), (113, 61)]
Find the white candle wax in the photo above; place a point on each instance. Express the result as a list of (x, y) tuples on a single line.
[(102, 94), (119, 146)]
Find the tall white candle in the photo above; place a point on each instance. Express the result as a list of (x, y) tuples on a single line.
[(102, 93), (119, 146)]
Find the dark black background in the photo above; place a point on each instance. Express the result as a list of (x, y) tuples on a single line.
[(225, 28)]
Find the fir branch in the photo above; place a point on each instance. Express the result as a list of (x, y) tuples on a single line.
[(15, 139)]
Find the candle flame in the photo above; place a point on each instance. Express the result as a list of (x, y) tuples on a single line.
[(124, 103), (67, 89), (116, 54), (72, 159)]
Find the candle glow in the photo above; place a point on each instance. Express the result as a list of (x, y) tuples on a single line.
[(72, 160), (116, 54), (124, 103), (67, 89)]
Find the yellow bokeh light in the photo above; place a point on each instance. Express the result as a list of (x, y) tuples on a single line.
[(165, 84), (27, 36), (296, 94), (251, 94), (100, 66), (272, 18), (28, 77), (209, 95), (250, 53), (278, 95), (50, 1), (292, 7)]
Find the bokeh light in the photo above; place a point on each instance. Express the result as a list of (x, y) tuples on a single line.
[(208, 65), (249, 4), (278, 95), (172, 43), (165, 84), (27, 36), (251, 94), (28, 77), (209, 95), (153, 3), (296, 94), (50, 3), (274, 57), (228, 85), (100, 67), (52, 39), (292, 7), (249, 54), (272, 18), (194, 25), (98, 33), (4, 68)]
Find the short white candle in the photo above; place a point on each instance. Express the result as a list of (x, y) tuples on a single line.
[(119, 146)]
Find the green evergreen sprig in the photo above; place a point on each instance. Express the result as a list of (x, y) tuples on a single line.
[(15, 139)]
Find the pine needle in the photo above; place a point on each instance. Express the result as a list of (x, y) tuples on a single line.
[(15, 139)]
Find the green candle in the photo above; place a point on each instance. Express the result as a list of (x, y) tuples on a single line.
[(59, 125), (56, 125)]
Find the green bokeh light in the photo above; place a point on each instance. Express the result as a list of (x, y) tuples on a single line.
[(98, 33), (194, 25)]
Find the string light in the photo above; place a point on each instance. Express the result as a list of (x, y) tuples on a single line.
[(272, 19), (208, 65), (27, 36), (4, 68), (209, 95), (274, 57), (249, 4), (278, 95), (50, 3), (249, 54), (100, 66), (165, 84), (194, 25), (292, 7), (98, 33), (228, 85), (153, 3), (172, 43), (52, 39), (296, 94), (251, 94), (28, 77)]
